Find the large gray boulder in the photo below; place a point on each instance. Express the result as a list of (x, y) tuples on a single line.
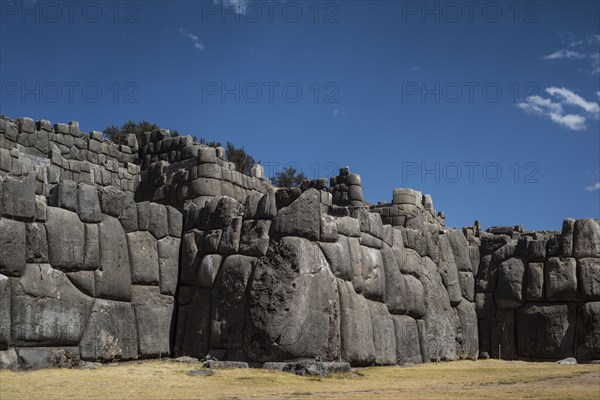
[(561, 279), (348, 226), (230, 239), (168, 264), (395, 285), (490, 242), (230, 303), (467, 336), (412, 262), (33, 358), (356, 263), (66, 235), (13, 249), (460, 250), (219, 212), (158, 223), (587, 343), (293, 304), (111, 332), (191, 256), (510, 288), (88, 203), (129, 217), (413, 297), (113, 280), (437, 333), (192, 330), (373, 278), (503, 335), (546, 331), (301, 218), (356, 328), (112, 201), (586, 238), (18, 196), (9, 359), (143, 255), (255, 237), (449, 270), (408, 349), (535, 282), (589, 274), (153, 314), (47, 310), (175, 219), (384, 338), (91, 249), (338, 257)]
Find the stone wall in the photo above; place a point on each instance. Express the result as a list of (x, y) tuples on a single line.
[(124, 252), (538, 293), (90, 277)]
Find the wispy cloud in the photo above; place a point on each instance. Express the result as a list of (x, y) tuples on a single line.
[(337, 112), (553, 108), (587, 49), (595, 63), (198, 45), (561, 54), (591, 188)]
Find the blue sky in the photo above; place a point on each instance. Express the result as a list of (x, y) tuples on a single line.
[(490, 107)]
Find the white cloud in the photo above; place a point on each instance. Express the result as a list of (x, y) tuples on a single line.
[(572, 121), (598, 94), (591, 188), (337, 112), (562, 54), (195, 39), (553, 108), (574, 99)]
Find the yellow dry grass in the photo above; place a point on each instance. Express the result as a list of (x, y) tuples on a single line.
[(148, 380)]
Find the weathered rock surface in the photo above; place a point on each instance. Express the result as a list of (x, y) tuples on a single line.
[(356, 329), (301, 218), (384, 338), (510, 288), (13, 249), (113, 279), (111, 332), (47, 309), (546, 331), (294, 311), (97, 240), (153, 314), (230, 302)]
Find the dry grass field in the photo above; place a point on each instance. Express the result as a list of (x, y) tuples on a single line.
[(147, 380)]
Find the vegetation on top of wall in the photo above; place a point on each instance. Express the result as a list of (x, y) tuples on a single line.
[(237, 155)]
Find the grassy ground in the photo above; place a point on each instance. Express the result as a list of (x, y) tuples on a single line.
[(169, 380)]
